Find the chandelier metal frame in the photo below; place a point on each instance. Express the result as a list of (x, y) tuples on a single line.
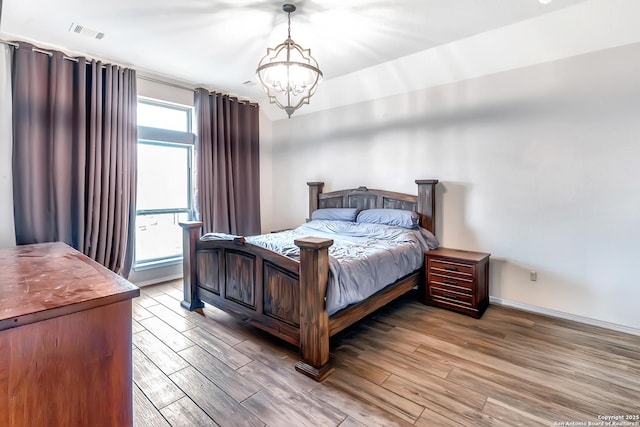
[(292, 94)]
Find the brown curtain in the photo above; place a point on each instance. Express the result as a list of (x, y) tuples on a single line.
[(74, 155), (228, 164)]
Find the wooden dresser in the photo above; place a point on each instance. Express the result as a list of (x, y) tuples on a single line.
[(65, 339), (457, 280)]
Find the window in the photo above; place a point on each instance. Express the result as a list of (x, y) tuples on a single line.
[(160, 115), (165, 156)]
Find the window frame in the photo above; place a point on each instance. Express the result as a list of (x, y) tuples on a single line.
[(171, 138), (170, 106)]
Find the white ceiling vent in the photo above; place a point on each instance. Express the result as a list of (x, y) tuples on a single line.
[(84, 31)]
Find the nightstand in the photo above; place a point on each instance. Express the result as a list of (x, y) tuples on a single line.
[(457, 280)]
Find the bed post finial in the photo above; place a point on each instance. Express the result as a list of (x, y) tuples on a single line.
[(190, 236), (427, 202), (315, 188)]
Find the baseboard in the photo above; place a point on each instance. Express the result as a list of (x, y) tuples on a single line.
[(158, 280), (562, 315)]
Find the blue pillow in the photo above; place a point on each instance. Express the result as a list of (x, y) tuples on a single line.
[(397, 217), (335, 214)]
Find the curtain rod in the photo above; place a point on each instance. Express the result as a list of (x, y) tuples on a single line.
[(162, 82), (151, 79), (12, 44), (177, 86), (38, 50)]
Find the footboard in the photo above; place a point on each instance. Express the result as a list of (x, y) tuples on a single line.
[(277, 294)]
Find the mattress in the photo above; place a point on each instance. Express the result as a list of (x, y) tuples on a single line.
[(364, 258)]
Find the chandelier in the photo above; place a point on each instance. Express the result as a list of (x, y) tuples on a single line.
[(288, 73)]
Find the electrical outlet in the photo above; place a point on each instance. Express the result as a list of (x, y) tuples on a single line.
[(533, 276)]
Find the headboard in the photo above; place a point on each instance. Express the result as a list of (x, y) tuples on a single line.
[(366, 198)]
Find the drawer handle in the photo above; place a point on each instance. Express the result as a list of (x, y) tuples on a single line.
[(451, 296), (449, 282), (451, 268)]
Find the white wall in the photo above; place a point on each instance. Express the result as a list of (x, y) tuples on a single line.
[(7, 231), (538, 166)]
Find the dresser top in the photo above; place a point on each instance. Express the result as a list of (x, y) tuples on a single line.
[(458, 254), (47, 280)]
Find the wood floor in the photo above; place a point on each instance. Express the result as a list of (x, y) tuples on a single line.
[(408, 364)]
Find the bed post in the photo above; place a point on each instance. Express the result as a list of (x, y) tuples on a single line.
[(314, 319), (315, 188), (190, 236), (427, 202)]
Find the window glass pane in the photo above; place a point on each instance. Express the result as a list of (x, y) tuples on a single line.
[(163, 117), (163, 176), (164, 180), (159, 236)]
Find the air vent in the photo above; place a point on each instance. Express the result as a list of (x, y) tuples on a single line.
[(84, 31)]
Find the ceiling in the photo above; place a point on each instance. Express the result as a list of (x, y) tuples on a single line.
[(218, 43)]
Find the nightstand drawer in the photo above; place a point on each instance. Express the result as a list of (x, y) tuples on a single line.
[(451, 268), (451, 288), (442, 279), (447, 294)]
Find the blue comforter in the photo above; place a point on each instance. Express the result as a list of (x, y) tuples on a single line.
[(363, 259)]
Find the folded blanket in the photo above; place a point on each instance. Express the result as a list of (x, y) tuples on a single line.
[(222, 236)]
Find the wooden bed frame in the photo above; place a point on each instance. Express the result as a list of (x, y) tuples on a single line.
[(283, 296)]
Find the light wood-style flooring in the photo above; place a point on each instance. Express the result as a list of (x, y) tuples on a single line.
[(408, 364)]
